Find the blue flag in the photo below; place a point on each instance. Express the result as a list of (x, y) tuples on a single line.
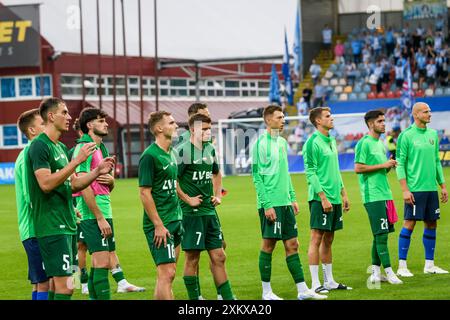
[(274, 92), (287, 73), (407, 98), (298, 50)]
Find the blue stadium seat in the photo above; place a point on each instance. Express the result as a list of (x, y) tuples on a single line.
[(366, 88), (424, 86), (447, 91), (362, 96), (357, 88), (393, 87), (352, 96), (329, 89), (439, 92), (334, 97), (333, 68)]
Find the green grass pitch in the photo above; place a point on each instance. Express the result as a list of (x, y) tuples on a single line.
[(240, 223)]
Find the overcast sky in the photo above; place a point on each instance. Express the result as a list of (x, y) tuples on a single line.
[(186, 28)]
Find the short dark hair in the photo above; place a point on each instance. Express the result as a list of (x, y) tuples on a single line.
[(76, 125), (372, 115), (156, 117), (88, 114), (270, 110), (26, 119), (47, 105), (198, 117), (193, 109), (316, 113)]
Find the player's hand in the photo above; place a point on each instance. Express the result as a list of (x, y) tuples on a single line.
[(270, 214), (295, 207), (216, 201), (346, 204), (104, 227), (408, 197), (444, 195), (195, 201), (85, 151), (326, 205), (106, 165), (391, 163), (105, 179), (78, 214), (161, 234)]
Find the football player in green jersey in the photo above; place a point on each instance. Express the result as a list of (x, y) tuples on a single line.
[(419, 172), (277, 204), (51, 182), (162, 222), (372, 166), (326, 194), (200, 189), (31, 125)]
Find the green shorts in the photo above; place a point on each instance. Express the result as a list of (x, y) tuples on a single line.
[(59, 255), (378, 218), (320, 220), (93, 236), (201, 233), (166, 254), (283, 228), (80, 235)]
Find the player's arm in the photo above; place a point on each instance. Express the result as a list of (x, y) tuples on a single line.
[(107, 179), (217, 187), (47, 180), (89, 197), (258, 181), (402, 154), (440, 174), (161, 233), (292, 195), (191, 201)]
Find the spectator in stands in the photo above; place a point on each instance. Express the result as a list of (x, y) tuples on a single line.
[(420, 30), (401, 40), (390, 42), (441, 67), (438, 41), (339, 51), (421, 63), (319, 95), (431, 72), (350, 72), (302, 107), (399, 74), (376, 44), (315, 71), (386, 64), (378, 73), (366, 53), (356, 45), (405, 30), (306, 94), (444, 140), (327, 35), (429, 39), (431, 54), (397, 53), (439, 23)]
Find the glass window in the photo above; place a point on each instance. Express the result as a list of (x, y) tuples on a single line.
[(232, 84), (25, 87), (231, 93), (163, 82), (71, 80), (173, 92), (133, 81), (182, 92), (134, 92), (192, 93), (263, 93), (262, 84), (71, 91), (10, 136), (8, 88), (210, 83), (46, 90), (192, 83), (219, 93), (24, 139), (244, 84), (211, 93), (178, 83), (164, 92)]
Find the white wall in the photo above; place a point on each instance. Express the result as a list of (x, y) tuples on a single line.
[(353, 6)]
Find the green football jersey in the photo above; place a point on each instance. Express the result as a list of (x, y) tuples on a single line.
[(52, 212), (25, 219), (322, 168), (418, 159), (195, 171), (158, 170), (374, 186), (270, 172)]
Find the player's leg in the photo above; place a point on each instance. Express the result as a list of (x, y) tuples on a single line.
[(214, 245), (190, 276), (84, 275), (313, 259), (123, 285), (36, 273), (270, 234), (166, 275)]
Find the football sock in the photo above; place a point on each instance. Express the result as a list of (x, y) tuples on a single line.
[(328, 273), (265, 266), (191, 286), (92, 294), (198, 286), (429, 242), (225, 291), (60, 296), (404, 241), (42, 296), (117, 274), (314, 269), (84, 276), (375, 258), (295, 268), (301, 287), (34, 295), (101, 284), (51, 295), (382, 249)]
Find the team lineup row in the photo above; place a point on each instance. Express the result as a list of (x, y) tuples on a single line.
[(181, 186)]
